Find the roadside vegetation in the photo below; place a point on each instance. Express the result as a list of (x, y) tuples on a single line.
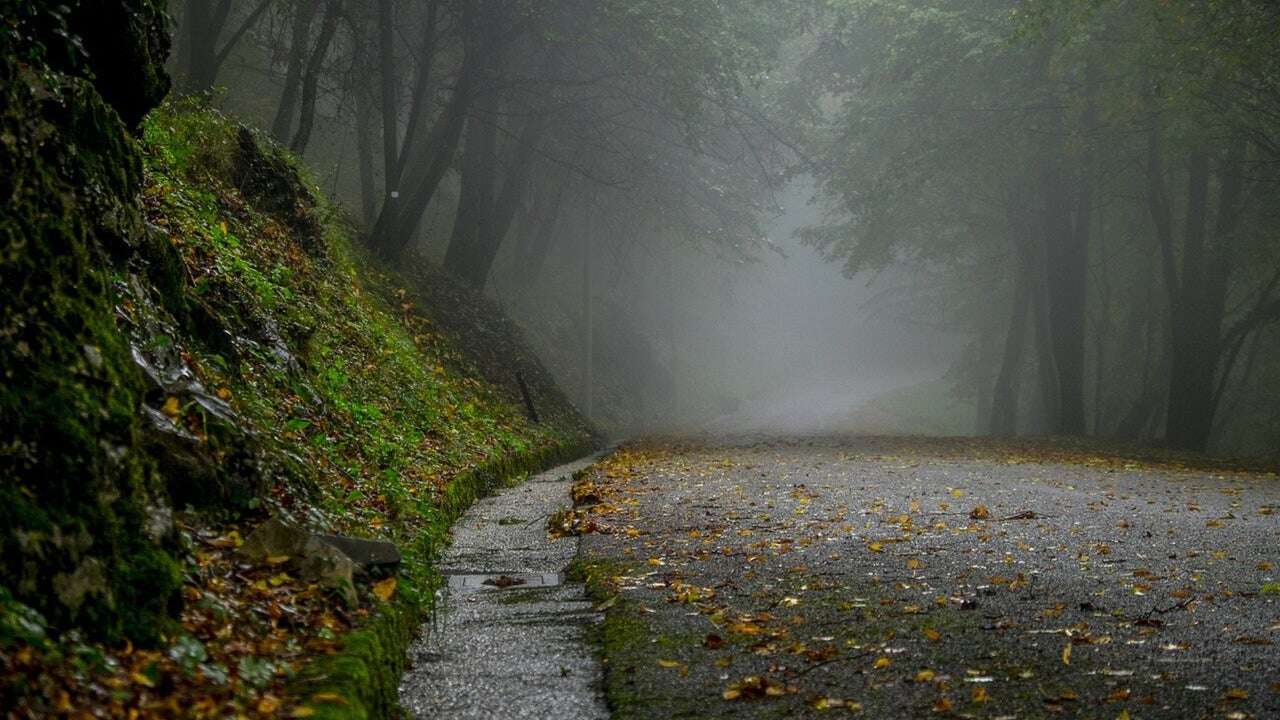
[(290, 377)]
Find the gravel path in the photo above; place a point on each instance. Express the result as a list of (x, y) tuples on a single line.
[(516, 648), (899, 579)]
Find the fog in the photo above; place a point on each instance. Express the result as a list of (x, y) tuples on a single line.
[(951, 217), (781, 342)]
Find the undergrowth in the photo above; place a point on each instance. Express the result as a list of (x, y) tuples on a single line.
[(309, 385)]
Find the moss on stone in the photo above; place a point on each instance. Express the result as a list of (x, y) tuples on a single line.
[(362, 681), (75, 483)]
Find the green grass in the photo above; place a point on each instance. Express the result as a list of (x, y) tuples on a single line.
[(373, 403)]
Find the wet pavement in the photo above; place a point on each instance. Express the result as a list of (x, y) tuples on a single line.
[(512, 639), (904, 579)]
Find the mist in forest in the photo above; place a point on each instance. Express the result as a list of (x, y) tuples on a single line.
[(781, 342), (942, 217)]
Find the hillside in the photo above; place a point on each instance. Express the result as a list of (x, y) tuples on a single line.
[(194, 343)]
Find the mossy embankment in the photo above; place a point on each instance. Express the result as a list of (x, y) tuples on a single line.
[(193, 341)]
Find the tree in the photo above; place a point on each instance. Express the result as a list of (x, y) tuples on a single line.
[(203, 24)]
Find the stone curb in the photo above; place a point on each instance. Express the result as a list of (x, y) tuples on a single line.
[(361, 682)]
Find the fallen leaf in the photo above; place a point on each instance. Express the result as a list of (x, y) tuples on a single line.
[(172, 407), (980, 513), (1066, 654), (1118, 695), (384, 589), (669, 664)]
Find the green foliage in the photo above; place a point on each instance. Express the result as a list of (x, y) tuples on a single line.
[(364, 400)]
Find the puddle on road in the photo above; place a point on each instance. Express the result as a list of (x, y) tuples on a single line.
[(503, 581)]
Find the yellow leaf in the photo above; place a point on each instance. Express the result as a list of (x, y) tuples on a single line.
[(957, 493), (329, 697), (942, 705), (1235, 694), (669, 664), (302, 711), (980, 694), (980, 513), (932, 635), (384, 589), (172, 407), (875, 547), (268, 704), (826, 703), (925, 676), (1066, 654), (732, 694), (141, 679), (882, 662), (914, 564), (277, 559)]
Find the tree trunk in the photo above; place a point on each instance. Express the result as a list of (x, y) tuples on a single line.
[(473, 221), (365, 148), (476, 261), (1067, 256), (397, 221), (299, 41), (390, 90), (484, 220), (205, 20), (311, 79), (1195, 286), (1004, 398), (539, 238)]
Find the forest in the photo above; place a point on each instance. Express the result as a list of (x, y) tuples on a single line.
[(1100, 169), (299, 292)]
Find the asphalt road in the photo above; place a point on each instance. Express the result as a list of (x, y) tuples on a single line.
[(902, 579)]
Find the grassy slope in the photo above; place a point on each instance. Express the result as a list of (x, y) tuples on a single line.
[(381, 406), (312, 386)]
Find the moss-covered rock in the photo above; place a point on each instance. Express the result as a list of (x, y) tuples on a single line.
[(75, 490)]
